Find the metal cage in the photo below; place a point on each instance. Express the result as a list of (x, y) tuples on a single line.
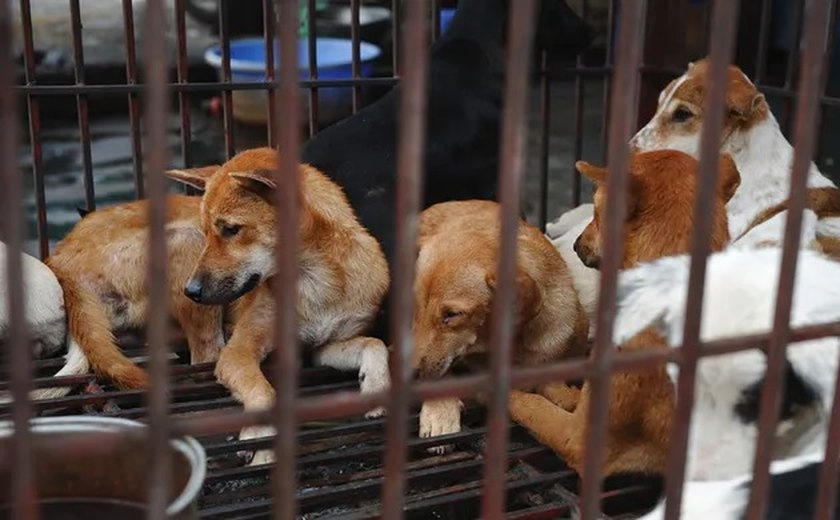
[(634, 68)]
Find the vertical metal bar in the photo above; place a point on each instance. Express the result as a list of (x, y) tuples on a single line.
[(435, 20), (156, 72), (624, 100), (82, 103), (763, 41), (609, 63), (23, 484), (270, 64), (285, 329), (183, 78), (396, 13), (827, 487), (269, 23), (793, 60), (227, 95), (133, 99), (34, 130), (792, 65), (545, 136), (725, 18), (313, 68), (410, 168), (808, 112), (579, 107), (828, 58), (355, 6), (511, 169)]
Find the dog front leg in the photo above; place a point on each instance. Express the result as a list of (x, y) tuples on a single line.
[(367, 355), (440, 417), (551, 425), (203, 328), (561, 394), (238, 369)]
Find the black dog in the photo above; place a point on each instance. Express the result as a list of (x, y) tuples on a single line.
[(466, 79)]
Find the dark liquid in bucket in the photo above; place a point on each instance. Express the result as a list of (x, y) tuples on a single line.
[(83, 510)]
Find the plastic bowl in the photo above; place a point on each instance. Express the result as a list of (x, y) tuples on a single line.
[(334, 61), (110, 480)]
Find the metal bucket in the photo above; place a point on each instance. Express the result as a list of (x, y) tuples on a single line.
[(110, 482)]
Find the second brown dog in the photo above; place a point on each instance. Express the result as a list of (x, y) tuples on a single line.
[(455, 285)]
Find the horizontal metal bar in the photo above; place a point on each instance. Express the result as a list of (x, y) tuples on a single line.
[(347, 403), (99, 90)]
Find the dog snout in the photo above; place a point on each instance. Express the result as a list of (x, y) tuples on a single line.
[(193, 290), (587, 257)]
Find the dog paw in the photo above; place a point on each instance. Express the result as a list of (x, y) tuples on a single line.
[(262, 457), (374, 375), (376, 413), (440, 417), (259, 457)]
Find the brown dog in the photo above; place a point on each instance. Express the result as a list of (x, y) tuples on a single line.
[(456, 278), (102, 268), (343, 276), (660, 206), (658, 223)]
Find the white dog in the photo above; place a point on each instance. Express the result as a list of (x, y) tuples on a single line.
[(793, 486), (43, 305), (739, 299), (751, 135)]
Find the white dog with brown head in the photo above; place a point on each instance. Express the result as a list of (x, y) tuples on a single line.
[(751, 135)]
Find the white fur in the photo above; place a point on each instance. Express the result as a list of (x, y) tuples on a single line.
[(762, 154), (75, 364), (772, 231), (586, 280), (43, 304), (440, 417), (739, 299), (567, 220), (726, 499), (369, 356)]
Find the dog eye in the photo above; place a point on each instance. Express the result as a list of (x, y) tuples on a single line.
[(681, 115), (449, 315), (230, 230)]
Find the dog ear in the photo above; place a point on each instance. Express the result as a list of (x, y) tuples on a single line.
[(729, 179), (745, 103), (260, 182), (528, 295), (195, 177), (597, 174)]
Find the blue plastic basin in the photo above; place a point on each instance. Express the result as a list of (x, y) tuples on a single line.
[(334, 61)]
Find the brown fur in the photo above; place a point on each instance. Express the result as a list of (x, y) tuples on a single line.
[(102, 267), (343, 273), (824, 202), (660, 206), (454, 290), (640, 403)]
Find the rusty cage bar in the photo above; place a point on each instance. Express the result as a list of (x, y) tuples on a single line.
[(631, 71)]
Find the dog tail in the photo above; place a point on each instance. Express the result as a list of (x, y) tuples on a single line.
[(88, 325)]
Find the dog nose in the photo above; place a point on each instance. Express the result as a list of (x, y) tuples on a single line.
[(193, 290)]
